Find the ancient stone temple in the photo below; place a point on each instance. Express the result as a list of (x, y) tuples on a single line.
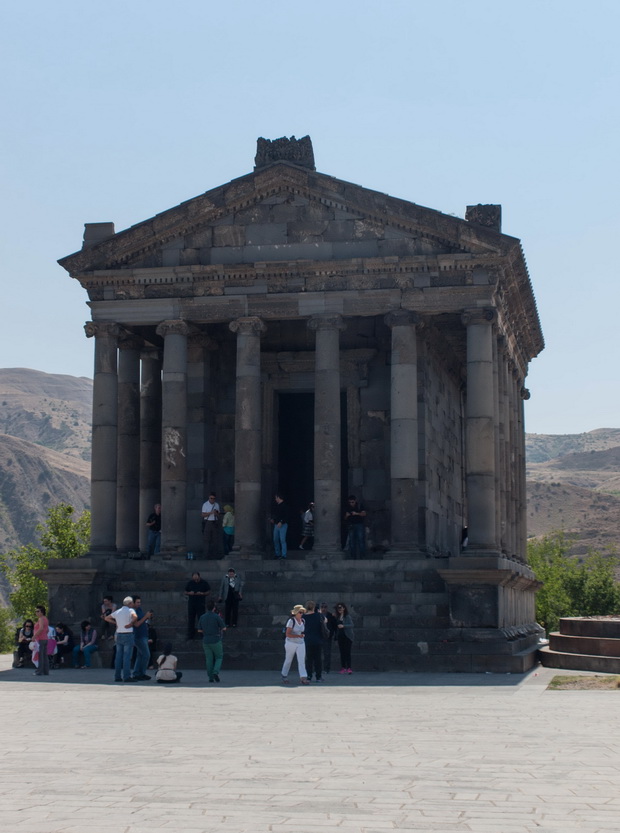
[(292, 331)]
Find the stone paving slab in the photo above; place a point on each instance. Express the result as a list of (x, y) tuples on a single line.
[(370, 753)]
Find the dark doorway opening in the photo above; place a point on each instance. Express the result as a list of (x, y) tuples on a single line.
[(296, 457)]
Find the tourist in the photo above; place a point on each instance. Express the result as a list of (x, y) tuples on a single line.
[(344, 635), (279, 519), (87, 647), (41, 635), (196, 590), (354, 518), (25, 635), (107, 609), (231, 594), (307, 527), (295, 645), (64, 643), (212, 626), (152, 640), (124, 619), (154, 524), (228, 529), (141, 640), (167, 667), (329, 621), (313, 632), (211, 527)]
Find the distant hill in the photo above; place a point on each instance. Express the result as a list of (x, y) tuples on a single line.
[(573, 483), (540, 448), (44, 449), (47, 409), (32, 479)]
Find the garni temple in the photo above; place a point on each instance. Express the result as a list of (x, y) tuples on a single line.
[(290, 331)]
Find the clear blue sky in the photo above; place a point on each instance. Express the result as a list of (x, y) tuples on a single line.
[(119, 110)]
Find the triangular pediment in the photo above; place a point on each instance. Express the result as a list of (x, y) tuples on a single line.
[(285, 213)]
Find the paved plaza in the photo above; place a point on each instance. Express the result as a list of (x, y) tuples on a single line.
[(371, 752)]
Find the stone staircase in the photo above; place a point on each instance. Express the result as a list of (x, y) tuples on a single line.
[(585, 644), (398, 602)]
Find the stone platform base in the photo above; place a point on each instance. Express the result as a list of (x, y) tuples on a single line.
[(399, 603), (585, 644)]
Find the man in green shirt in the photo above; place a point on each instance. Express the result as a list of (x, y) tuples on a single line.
[(212, 627)]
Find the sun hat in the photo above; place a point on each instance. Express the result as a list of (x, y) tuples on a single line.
[(298, 609)]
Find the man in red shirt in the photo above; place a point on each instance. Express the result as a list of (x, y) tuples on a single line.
[(41, 629)]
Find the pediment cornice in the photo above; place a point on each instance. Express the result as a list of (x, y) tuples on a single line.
[(125, 247)]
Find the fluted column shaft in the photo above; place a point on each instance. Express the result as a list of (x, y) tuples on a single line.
[(128, 463), (248, 433), (174, 435), (105, 431), (480, 430), (150, 439), (404, 429), (327, 469)]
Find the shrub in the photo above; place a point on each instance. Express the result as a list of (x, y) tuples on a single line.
[(571, 588)]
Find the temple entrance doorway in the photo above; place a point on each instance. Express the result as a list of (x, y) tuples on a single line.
[(296, 456)]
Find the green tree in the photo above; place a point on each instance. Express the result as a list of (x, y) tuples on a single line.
[(571, 588), (61, 536)]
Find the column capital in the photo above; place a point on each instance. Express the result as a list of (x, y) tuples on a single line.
[(251, 325), (485, 315), (525, 394), (402, 318), (102, 329), (175, 326), (328, 321)]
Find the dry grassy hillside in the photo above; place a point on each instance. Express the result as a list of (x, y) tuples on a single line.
[(32, 479), (47, 409)]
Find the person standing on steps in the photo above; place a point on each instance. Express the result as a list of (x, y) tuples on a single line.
[(196, 590), (230, 593), (212, 528), (212, 626), (344, 635), (354, 517), (279, 519), (313, 622), (329, 621), (307, 527), (153, 523)]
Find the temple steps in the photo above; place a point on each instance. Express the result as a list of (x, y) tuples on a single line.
[(584, 644)]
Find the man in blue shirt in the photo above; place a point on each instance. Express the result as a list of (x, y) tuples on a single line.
[(141, 641)]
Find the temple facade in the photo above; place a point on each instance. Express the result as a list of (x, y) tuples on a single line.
[(292, 331)]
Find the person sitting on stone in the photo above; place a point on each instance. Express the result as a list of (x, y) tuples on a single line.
[(64, 644), (87, 646), (167, 667), (25, 636)]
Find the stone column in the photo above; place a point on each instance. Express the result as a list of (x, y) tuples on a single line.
[(480, 430), (521, 521), (173, 435), (248, 433), (404, 429), (128, 462), (150, 438), (327, 485), (105, 425)]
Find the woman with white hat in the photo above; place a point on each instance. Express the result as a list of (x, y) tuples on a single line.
[(294, 645)]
